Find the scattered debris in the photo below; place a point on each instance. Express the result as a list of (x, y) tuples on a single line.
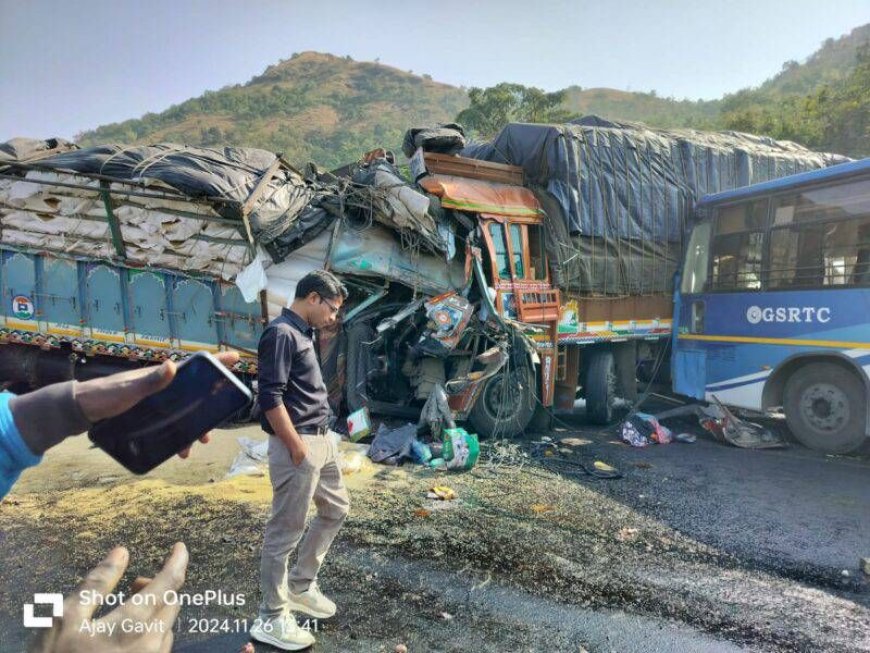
[(359, 424), (727, 427), (575, 442), (352, 463), (436, 414), (392, 446), (251, 460), (540, 508), (420, 452), (640, 429), (865, 565), (461, 449), (686, 438), (502, 453), (626, 534), (442, 492)]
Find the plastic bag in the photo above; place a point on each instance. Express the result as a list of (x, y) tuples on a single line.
[(461, 449)]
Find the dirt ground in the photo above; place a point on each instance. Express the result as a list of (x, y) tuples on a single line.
[(687, 551)]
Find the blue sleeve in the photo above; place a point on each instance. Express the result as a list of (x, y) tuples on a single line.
[(14, 454)]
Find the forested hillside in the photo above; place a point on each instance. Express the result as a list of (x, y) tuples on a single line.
[(327, 109)]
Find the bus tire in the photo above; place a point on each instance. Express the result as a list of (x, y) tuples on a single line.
[(600, 386), (825, 408), (506, 403)]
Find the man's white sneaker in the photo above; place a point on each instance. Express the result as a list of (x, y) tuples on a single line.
[(282, 632), (312, 602)]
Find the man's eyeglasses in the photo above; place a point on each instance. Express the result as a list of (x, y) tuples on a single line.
[(332, 307)]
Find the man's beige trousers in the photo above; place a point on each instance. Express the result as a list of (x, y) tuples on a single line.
[(317, 477)]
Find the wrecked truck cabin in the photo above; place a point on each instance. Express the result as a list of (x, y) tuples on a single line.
[(118, 256), (518, 276)]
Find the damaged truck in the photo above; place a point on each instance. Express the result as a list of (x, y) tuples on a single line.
[(517, 275)]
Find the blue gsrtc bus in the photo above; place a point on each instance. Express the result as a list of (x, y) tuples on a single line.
[(772, 303)]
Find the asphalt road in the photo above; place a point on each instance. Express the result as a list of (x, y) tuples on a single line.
[(787, 508), (798, 515)]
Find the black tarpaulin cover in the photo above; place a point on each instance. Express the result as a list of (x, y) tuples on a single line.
[(619, 196)]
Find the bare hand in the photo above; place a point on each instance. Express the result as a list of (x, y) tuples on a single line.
[(298, 453), (78, 632), (112, 395)]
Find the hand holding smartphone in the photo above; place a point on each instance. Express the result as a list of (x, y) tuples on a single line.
[(202, 395)]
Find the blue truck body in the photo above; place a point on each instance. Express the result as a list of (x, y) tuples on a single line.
[(96, 308)]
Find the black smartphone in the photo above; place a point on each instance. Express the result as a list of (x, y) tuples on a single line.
[(202, 395)]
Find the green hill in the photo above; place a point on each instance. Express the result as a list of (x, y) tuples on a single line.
[(823, 103), (312, 107), (327, 109), (830, 64), (643, 107)]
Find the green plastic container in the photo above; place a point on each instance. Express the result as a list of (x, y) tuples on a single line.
[(461, 449)]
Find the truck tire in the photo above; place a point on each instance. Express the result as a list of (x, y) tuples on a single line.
[(507, 402), (825, 408), (600, 386), (357, 365)]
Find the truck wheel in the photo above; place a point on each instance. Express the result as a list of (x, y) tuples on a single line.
[(506, 403), (600, 387), (825, 409)]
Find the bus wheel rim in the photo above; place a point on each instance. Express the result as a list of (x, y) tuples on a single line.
[(825, 407)]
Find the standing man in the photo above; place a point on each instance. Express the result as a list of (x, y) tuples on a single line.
[(302, 463)]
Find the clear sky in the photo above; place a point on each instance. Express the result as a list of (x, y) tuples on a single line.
[(67, 66)]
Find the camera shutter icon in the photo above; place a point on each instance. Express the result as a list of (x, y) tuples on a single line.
[(56, 603)]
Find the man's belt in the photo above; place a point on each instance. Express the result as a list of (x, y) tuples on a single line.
[(320, 430)]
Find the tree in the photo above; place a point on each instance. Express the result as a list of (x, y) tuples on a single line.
[(494, 107), (844, 110)]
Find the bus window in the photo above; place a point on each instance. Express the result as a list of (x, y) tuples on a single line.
[(820, 254), (861, 272), (821, 237), (517, 248), (537, 257), (697, 260), (748, 216), (737, 246), (500, 248), (840, 202)]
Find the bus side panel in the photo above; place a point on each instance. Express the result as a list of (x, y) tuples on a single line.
[(690, 373), (747, 335)]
